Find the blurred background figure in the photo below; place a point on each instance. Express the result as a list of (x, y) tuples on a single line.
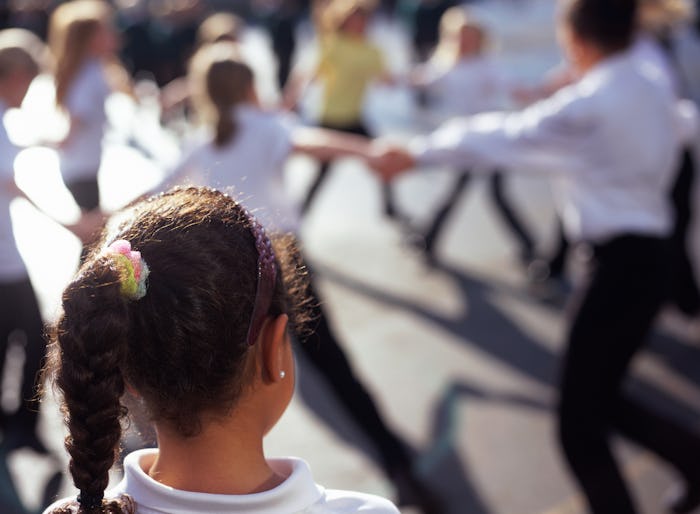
[(216, 27), (659, 25), (21, 326), (349, 62), (280, 18), (84, 45), (460, 80), (22, 344)]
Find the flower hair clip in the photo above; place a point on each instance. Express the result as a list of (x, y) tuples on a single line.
[(133, 270)]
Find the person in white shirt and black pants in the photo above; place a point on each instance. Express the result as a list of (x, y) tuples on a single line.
[(612, 140)]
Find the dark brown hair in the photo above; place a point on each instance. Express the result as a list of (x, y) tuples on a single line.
[(182, 346), (608, 24), (220, 81)]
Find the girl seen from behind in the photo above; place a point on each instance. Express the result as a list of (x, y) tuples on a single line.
[(185, 303), (84, 44)]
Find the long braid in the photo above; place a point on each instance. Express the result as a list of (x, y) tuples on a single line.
[(183, 344), (91, 340)]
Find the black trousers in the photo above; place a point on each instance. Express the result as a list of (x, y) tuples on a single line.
[(324, 352), (21, 323), (507, 212), (684, 291), (358, 129), (611, 323)]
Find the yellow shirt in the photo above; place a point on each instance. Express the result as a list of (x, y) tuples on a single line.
[(346, 66)]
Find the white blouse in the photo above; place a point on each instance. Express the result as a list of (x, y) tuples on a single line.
[(250, 167), (82, 152), (612, 139), (471, 86), (298, 493)]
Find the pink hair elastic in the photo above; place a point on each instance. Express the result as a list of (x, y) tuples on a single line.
[(267, 274), (133, 270)]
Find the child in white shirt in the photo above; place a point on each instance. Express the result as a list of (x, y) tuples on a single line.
[(84, 45), (462, 80), (20, 59), (611, 141)]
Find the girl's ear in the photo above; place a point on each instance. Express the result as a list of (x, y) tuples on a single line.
[(274, 341)]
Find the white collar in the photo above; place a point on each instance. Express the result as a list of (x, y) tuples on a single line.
[(295, 494)]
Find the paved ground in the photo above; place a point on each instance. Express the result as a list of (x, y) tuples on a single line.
[(460, 358)]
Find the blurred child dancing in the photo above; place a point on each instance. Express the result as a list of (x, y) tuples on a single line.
[(84, 45), (347, 66), (462, 80), (21, 54)]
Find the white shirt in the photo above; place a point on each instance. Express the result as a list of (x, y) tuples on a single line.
[(81, 154), (12, 266), (251, 165), (612, 138), (655, 62), (296, 495), (471, 86)]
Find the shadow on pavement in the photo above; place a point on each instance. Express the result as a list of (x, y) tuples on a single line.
[(486, 326)]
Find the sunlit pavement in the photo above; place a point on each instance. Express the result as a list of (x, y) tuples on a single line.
[(460, 358)]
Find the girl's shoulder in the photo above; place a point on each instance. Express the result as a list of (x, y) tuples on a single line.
[(336, 501)]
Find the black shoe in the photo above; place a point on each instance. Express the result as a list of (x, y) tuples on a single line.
[(411, 490), (684, 499)]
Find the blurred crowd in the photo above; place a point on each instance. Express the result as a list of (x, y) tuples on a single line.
[(189, 52)]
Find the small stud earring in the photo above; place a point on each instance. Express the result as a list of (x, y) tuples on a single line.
[(282, 375)]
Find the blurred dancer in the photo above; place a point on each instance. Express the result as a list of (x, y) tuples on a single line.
[(653, 51), (613, 139), (84, 45), (217, 27), (463, 81), (248, 151), (347, 66), (20, 318), (654, 48)]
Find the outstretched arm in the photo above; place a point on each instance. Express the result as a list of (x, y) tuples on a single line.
[(326, 145), (84, 229)]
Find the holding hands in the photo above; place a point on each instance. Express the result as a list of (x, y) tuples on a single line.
[(389, 160)]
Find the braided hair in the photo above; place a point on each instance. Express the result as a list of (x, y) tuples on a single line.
[(183, 345)]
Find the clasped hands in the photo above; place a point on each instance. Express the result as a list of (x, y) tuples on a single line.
[(389, 160)]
